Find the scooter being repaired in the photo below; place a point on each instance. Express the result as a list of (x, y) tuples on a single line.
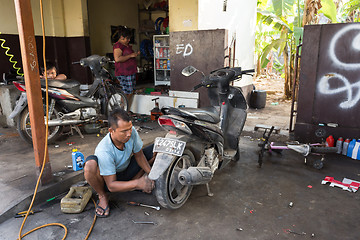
[(66, 106), (200, 140)]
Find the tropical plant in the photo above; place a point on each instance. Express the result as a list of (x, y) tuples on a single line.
[(285, 19), (349, 11)]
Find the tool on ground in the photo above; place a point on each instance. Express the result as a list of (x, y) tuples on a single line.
[(23, 213), (143, 205), (144, 222), (302, 233), (155, 112)]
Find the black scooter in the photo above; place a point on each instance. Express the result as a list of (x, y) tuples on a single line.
[(200, 140), (66, 106)]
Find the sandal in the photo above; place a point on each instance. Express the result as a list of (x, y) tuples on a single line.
[(102, 215)]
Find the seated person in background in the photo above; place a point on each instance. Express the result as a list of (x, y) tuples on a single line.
[(120, 163), (51, 72)]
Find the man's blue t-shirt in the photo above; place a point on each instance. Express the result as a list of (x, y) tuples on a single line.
[(111, 159)]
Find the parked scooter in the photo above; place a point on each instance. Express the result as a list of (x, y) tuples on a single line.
[(66, 106), (200, 140)]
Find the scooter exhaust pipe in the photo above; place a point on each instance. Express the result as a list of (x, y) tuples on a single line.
[(195, 176), (54, 123)]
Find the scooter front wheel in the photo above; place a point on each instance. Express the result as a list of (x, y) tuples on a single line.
[(169, 192), (117, 99), (24, 126)]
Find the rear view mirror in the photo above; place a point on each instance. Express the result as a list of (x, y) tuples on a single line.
[(188, 71)]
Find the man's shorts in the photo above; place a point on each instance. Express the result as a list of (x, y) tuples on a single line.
[(127, 83), (133, 167)]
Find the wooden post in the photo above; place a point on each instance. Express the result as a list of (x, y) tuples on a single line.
[(33, 88)]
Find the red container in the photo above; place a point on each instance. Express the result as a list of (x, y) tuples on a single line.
[(330, 142)]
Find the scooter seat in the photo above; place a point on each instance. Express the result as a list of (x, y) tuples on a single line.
[(64, 84), (207, 114)]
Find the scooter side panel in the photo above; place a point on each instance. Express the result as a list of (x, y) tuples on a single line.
[(237, 122)]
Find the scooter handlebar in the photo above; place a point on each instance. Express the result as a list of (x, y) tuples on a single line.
[(196, 87), (247, 72)]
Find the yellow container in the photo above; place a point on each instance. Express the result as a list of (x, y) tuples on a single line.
[(76, 199)]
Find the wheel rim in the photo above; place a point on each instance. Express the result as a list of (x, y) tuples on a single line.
[(52, 130), (117, 100), (178, 193)]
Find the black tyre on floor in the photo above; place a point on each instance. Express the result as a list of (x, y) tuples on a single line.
[(169, 192), (315, 149), (24, 126)]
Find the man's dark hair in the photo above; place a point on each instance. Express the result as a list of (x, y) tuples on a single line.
[(116, 115)]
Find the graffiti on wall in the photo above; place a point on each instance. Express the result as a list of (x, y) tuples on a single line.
[(352, 90), (185, 50)]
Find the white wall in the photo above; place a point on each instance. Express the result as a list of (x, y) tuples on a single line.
[(240, 19)]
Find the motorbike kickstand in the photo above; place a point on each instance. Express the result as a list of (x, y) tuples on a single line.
[(77, 129), (210, 194)]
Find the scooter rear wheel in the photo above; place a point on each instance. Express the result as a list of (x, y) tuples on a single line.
[(169, 192), (24, 127)]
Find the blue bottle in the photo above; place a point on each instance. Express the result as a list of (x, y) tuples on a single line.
[(351, 148), (77, 160)]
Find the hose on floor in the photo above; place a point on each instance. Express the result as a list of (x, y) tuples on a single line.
[(45, 154)]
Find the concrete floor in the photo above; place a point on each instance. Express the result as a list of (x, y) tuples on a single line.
[(248, 202)]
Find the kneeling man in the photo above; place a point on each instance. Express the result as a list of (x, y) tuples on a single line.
[(119, 164)]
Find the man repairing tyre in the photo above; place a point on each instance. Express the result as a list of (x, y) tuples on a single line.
[(119, 164)]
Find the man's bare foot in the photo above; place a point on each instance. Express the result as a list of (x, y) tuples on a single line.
[(102, 208)]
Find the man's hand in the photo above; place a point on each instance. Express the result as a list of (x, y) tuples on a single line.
[(145, 184)]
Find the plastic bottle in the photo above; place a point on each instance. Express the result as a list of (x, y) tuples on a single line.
[(339, 145), (77, 160), (330, 141), (351, 148), (345, 146), (356, 150), (157, 64)]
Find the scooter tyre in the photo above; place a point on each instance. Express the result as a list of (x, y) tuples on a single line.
[(168, 191), (54, 132), (117, 99)]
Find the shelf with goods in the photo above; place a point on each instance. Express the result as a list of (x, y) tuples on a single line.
[(151, 22), (161, 60)]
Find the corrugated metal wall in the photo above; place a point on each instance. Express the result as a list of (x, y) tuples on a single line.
[(329, 83)]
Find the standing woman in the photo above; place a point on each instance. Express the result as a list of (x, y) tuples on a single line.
[(125, 63)]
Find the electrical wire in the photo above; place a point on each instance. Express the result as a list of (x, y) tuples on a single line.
[(10, 57), (46, 144)]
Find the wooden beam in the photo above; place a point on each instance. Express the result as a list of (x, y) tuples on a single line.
[(33, 88)]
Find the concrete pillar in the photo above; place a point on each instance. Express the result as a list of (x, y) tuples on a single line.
[(8, 96)]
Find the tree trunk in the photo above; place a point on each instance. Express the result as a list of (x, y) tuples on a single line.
[(311, 8), (287, 90)]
